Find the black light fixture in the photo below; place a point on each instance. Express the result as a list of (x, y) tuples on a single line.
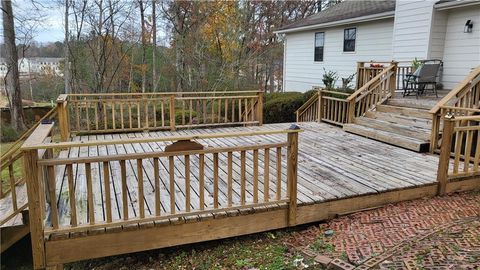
[(468, 26)]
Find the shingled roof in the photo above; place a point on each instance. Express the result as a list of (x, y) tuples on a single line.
[(348, 9)]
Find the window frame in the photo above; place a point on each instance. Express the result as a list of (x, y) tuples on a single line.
[(315, 47), (345, 40)]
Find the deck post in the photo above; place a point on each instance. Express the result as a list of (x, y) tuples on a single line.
[(393, 79), (320, 106), (172, 113), (351, 110), (292, 155), (435, 132), (260, 107), (359, 81), (446, 147), (63, 117), (34, 189)]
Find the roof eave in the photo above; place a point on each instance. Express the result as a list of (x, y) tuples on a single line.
[(373, 17), (455, 4)]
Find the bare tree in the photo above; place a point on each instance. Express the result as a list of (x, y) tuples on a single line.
[(154, 47), (12, 80), (66, 69)]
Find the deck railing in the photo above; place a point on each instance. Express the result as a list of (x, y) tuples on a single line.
[(236, 177), (109, 113), (339, 108), (324, 105), (462, 142), (376, 91), (463, 100), (12, 172), (368, 70)]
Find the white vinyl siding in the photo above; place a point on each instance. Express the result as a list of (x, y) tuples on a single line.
[(412, 29), (373, 42), (461, 50)]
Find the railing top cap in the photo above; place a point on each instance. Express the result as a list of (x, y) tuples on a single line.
[(56, 145)]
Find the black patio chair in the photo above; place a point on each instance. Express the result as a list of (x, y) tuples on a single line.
[(426, 75)]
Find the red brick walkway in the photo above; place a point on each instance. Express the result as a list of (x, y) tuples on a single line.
[(438, 233)]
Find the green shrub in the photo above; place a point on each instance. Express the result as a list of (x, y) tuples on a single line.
[(8, 134), (281, 107)]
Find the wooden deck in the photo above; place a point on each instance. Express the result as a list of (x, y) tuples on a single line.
[(332, 164)]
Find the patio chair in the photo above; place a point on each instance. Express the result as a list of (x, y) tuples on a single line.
[(425, 75)]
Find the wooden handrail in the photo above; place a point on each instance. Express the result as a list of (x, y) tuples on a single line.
[(457, 90), (369, 83)]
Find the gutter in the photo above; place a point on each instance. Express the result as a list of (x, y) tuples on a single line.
[(456, 4), (374, 17)]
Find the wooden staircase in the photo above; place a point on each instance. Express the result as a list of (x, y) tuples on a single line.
[(399, 122)]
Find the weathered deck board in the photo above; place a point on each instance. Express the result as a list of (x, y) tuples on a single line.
[(332, 164)]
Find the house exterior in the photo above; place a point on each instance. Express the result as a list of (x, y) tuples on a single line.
[(352, 31), (35, 65)]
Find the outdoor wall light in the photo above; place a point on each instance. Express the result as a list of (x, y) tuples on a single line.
[(468, 26)]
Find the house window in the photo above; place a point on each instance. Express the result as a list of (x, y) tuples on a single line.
[(349, 36), (319, 42)]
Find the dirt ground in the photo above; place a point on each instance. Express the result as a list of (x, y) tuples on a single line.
[(437, 233)]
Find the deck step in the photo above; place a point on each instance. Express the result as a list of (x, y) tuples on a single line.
[(406, 111), (410, 130), (400, 119), (388, 137), (425, 104)]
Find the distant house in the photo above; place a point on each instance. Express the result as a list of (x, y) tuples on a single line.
[(351, 31), (35, 66)]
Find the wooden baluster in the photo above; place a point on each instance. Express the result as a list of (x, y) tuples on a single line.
[(213, 110), (141, 198), (96, 116), (147, 117), (232, 115), (114, 124), (91, 213), (163, 113), (229, 179), (171, 171), (255, 176), (242, 177), (77, 116), (13, 189), (215, 180), (190, 111), (201, 179), (87, 120), (105, 121), (106, 187), (122, 123), (226, 111), (183, 112), (155, 107), (266, 176), (187, 183), (219, 105), (240, 110), (204, 111), (458, 150), (172, 113), (139, 118), (156, 176), (279, 173), (71, 194), (130, 121), (123, 169), (468, 150)]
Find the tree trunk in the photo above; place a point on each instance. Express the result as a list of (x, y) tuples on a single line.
[(66, 68), (12, 80), (154, 49), (142, 21)]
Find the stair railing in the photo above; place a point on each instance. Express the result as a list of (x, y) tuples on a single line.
[(463, 100), (376, 91), (324, 105), (12, 172)]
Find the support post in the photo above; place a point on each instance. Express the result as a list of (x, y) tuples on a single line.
[(63, 117), (351, 110), (435, 132), (320, 106), (393, 79), (260, 108), (359, 82), (172, 113), (34, 189), (292, 155), (442, 172)]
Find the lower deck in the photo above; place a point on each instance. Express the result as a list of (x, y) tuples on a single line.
[(332, 165)]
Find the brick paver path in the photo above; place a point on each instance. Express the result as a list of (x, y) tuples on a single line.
[(437, 233)]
